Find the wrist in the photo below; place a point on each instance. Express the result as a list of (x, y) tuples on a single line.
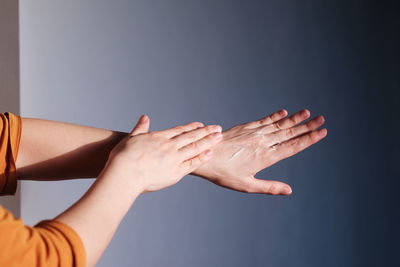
[(116, 174), (207, 171)]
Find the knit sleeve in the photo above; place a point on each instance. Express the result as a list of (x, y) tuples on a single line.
[(11, 129)]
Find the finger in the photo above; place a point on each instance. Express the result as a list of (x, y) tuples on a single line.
[(194, 135), (268, 187), (169, 133), (142, 126), (287, 122), (297, 144), (267, 120), (293, 120), (192, 164), (203, 144), (286, 134)]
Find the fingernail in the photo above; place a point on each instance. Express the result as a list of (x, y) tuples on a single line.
[(144, 118), (320, 119), (282, 112), (305, 113), (218, 128), (217, 135), (323, 132), (286, 190)]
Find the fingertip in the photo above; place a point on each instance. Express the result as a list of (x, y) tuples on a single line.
[(286, 190), (200, 124), (306, 113), (320, 119), (283, 112), (144, 118), (323, 132), (218, 128), (217, 135)]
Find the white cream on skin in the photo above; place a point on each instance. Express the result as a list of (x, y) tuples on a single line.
[(237, 153), (258, 150)]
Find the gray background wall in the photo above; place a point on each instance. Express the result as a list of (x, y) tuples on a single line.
[(103, 63), (9, 77)]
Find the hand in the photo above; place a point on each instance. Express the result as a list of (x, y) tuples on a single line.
[(248, 148), (141, 162), (159, 159)]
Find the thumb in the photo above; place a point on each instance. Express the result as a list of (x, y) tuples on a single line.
[(270, 187), (142, 126)]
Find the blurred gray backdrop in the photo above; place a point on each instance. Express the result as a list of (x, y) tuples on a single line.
[(104, 63)]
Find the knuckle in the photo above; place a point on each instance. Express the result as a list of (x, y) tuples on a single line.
[(190, 163), (293, 119), (258, 138), (274, 116), (295, 143), (180, 128), (193, 146), (243, 126), (201, 158), (314, 136), (272, 189), (191, 135), (265, 120), (290, 132), (277, 126), (195, 161)]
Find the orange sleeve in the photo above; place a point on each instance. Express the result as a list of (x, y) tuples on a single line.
[(11, 129), (49, 243)]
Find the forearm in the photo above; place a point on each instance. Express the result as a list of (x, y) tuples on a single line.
[(53, 150), (96, 216)]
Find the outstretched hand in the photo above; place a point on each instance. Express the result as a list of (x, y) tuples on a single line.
[(251, 147)]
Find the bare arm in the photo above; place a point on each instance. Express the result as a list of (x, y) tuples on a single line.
[(161, 159), (53, 150)]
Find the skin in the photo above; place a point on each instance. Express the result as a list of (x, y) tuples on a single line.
[(129, 164), (261, 144), (161, 159), (53, 150)]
